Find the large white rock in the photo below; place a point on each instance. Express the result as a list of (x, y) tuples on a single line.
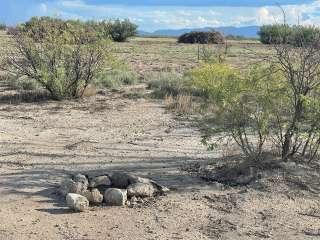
[(77, 202), (141, 190), (115, 197)]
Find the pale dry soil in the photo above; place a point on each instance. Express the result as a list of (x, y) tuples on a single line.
[(42, 143)]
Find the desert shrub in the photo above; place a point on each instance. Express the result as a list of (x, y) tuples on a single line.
[(277, 103), (60, 68), (299, 134), (271, 34), (3, 26), (39, 27), (12, 30), (211, 37), (102, 28), (116, 78), (212, 53), (244, 104), (285, 34), (122, 30)]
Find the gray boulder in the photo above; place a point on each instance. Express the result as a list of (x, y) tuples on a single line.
[(94, 196), (141, 190), (124, 180), (77, 202), (115, 197), (100, 181), (81, 178), (70, 186), (120, 180)]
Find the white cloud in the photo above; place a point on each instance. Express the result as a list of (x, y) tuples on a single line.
[(152, 18)]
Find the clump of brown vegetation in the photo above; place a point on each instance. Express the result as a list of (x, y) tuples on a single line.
[(179, 104), (212, 37)]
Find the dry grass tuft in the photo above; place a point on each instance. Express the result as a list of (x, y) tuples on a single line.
[(88, 91), (180, 104), (26, 97)]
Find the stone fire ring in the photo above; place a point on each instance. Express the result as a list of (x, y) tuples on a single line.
[(116, 189)]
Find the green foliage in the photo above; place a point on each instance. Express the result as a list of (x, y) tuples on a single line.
[(168, 84), (269, 103), (39, 27), (3, 26), (24, 83), (242, 103), (239, 38), (60, 68), (281, 33), (212, 37), (122, 30), (116, 78)]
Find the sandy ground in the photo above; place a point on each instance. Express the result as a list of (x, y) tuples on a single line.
[(41, 143)]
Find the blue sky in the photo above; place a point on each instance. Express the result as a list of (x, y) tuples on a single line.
[(166, 14)]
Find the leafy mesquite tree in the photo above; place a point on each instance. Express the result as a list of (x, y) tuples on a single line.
[(121, 30), (300, 66), (276, 102), (61, 68)]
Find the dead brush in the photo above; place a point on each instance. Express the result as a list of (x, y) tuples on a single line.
[(180, 104), (169, 102)]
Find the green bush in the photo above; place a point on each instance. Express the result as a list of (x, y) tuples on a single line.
[(239, 37), (62, 69), (3, 26), (212, 37), (242, 105), (122, 30), (39, 27), (285, 34), (275, 105)]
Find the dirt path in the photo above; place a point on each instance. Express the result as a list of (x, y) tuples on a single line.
[(41, 143)]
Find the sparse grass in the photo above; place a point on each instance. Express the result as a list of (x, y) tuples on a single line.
[(20, 83), (160, 62), (148, 54), (134, 95), (26, 97), (116, 78), (166, 83)]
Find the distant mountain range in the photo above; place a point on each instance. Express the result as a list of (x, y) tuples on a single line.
[(249, 32)]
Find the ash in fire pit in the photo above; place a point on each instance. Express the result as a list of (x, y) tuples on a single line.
[(116, 189)]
